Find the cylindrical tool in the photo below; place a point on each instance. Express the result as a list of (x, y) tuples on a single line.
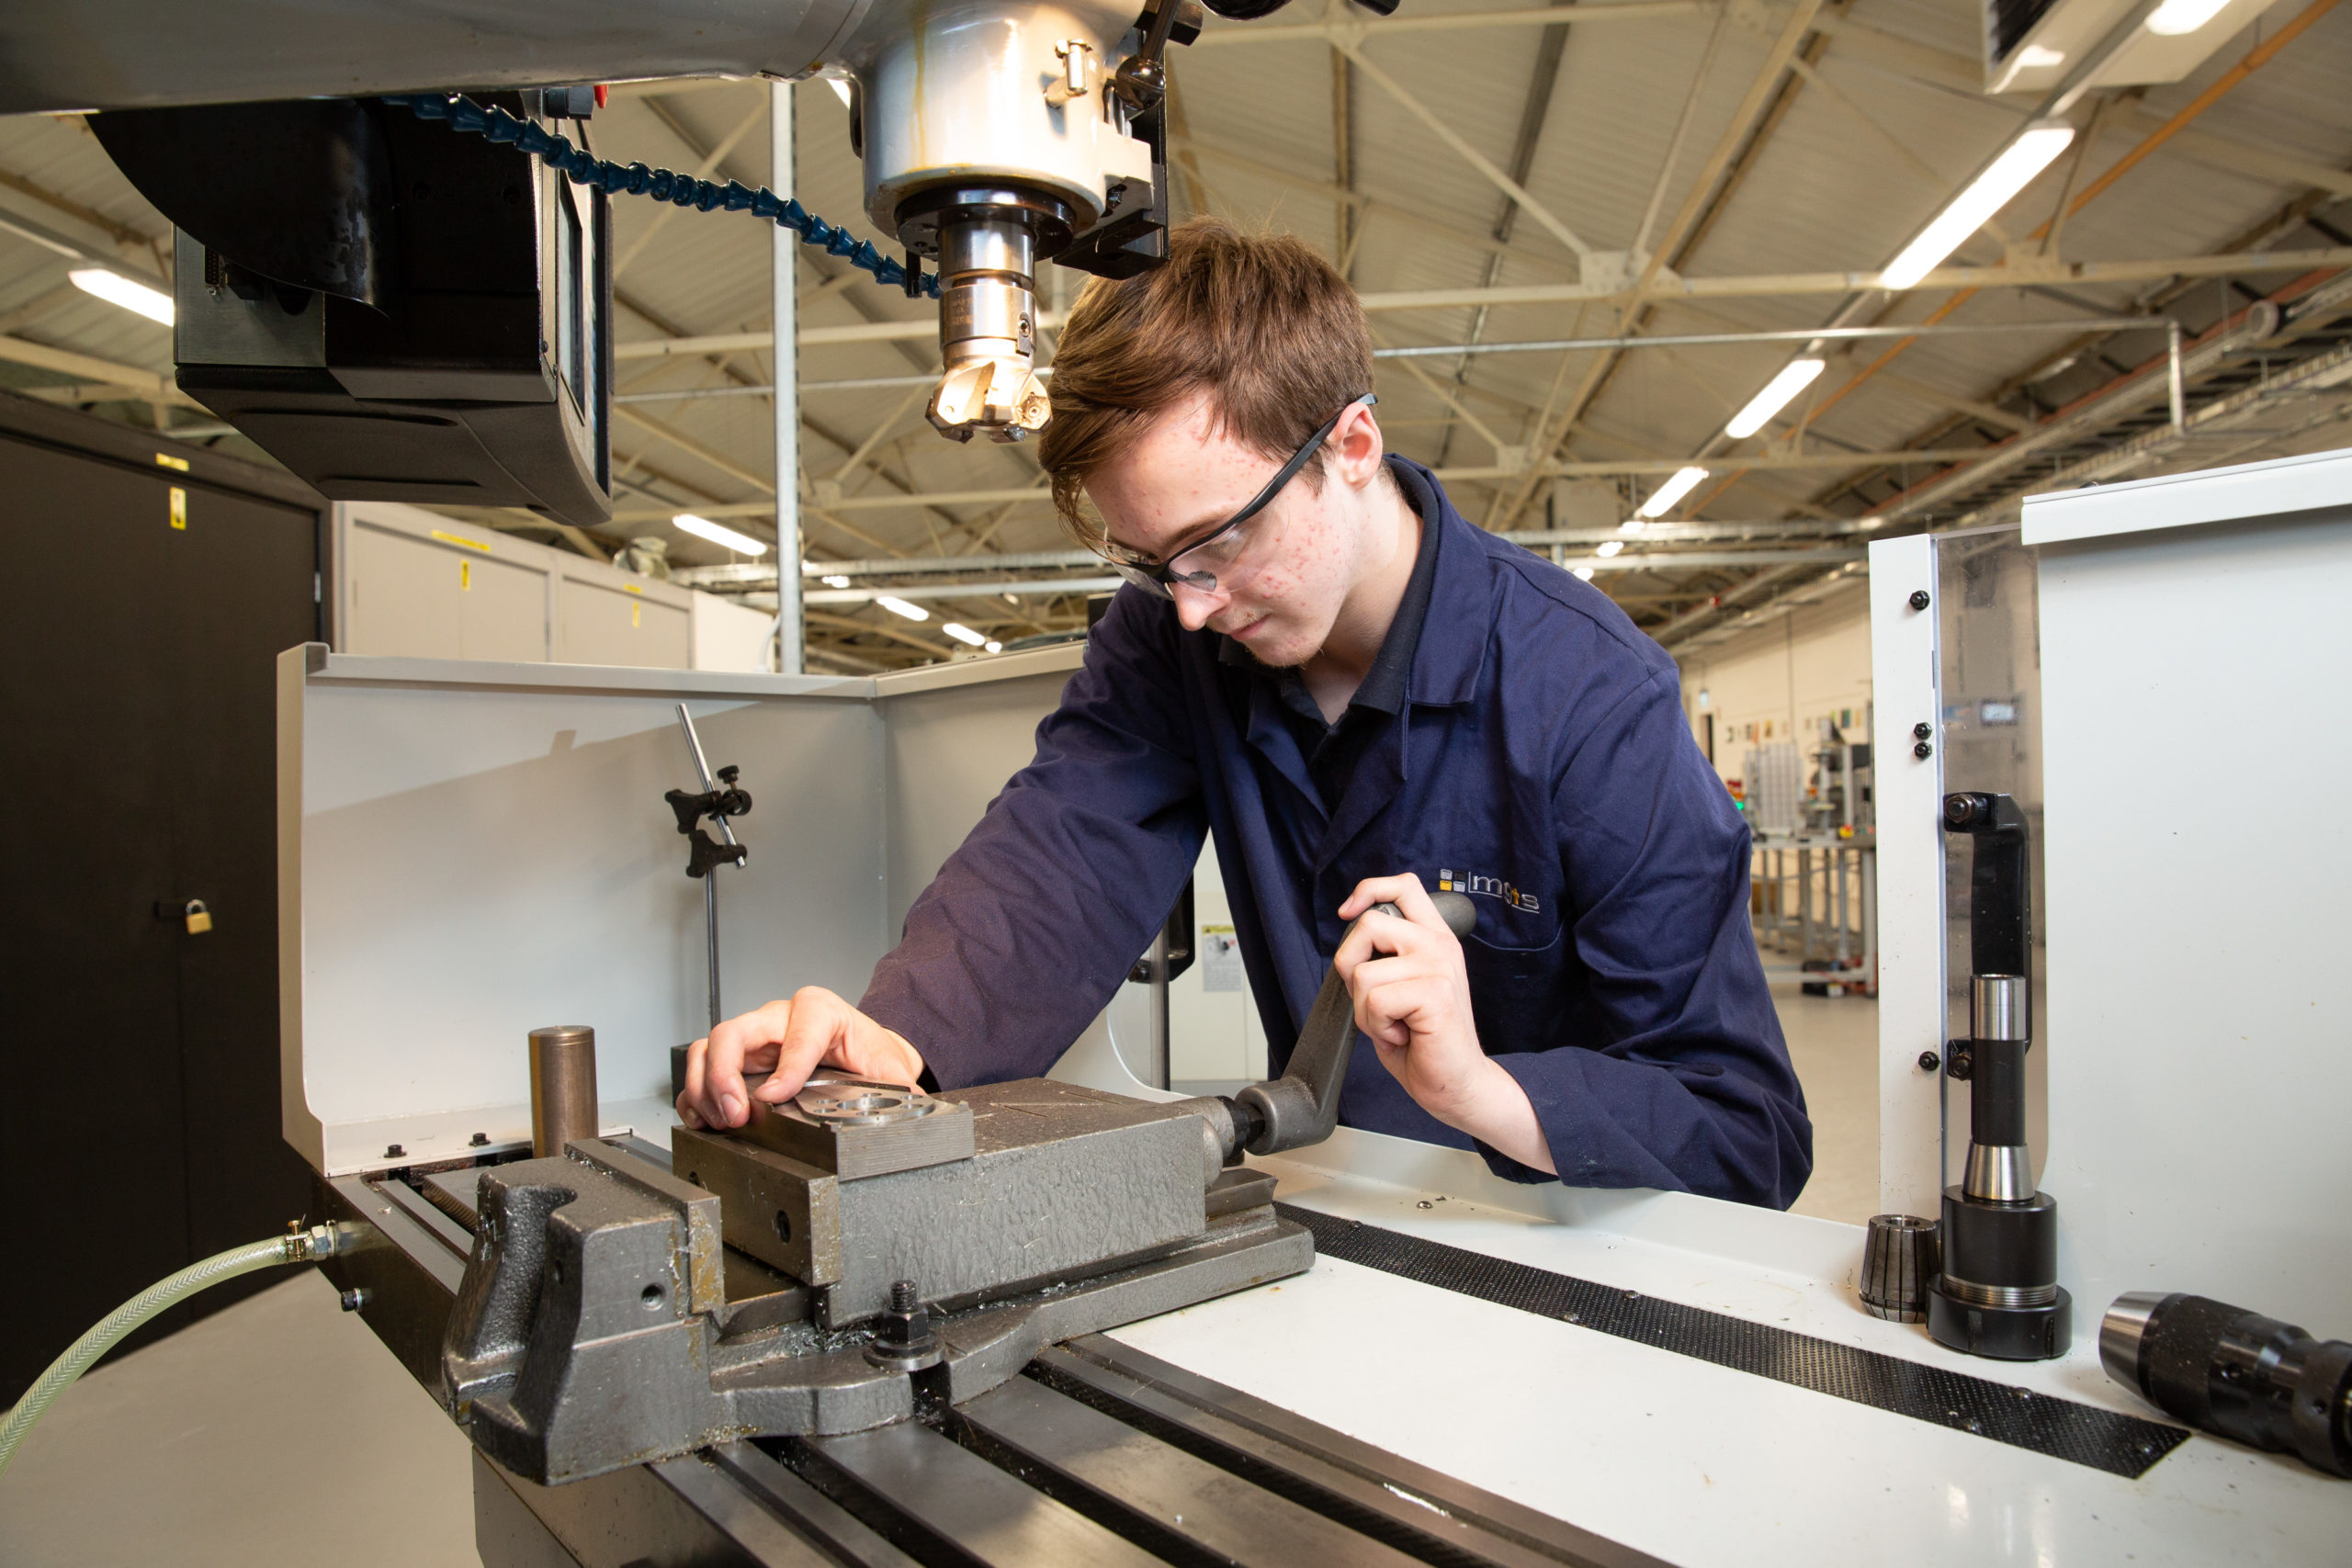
[(1900, 1254), (2236, 1373), (1998, 1293), (563, 1087)]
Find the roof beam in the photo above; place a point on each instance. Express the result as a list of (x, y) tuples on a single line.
[(1356, 31), (2020, 274), (1495, 174)]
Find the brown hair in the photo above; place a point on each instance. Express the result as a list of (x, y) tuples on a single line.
[(1261, 321)]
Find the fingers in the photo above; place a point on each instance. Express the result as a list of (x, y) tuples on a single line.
[(788, 1041), (715, 1066), (1399, 998), (1383, 890), (818, 1031)]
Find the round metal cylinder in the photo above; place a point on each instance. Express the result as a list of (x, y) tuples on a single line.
[(1900, 1254), (2000, 1006), (986, 320), (2122, 1332), (1002, 246), (1999, 1255), (563, 1087), (1999, 1173)]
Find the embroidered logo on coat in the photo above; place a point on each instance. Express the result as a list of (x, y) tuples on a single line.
[(1451, 881)]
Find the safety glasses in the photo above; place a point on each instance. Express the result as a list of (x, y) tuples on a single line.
[(1203, 565)]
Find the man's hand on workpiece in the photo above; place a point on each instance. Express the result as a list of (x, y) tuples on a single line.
[(788, 1041), (1412, 991)]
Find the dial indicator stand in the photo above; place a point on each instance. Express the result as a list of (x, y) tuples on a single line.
[(720, 800)]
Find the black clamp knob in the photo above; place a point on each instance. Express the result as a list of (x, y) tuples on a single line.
[(1918, 600)]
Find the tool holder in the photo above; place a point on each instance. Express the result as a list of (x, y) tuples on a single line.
[(1997, 1294)]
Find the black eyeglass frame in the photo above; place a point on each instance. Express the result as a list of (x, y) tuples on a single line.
[(1162, 577)]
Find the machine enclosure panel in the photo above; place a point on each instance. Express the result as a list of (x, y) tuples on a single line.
[(2197, 891), (469, 851)]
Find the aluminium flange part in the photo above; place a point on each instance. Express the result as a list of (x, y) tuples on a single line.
[(594, 1328)]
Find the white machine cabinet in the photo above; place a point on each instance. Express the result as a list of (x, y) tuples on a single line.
[(2195, 633)]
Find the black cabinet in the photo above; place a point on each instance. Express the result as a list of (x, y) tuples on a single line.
[(139, 1081)]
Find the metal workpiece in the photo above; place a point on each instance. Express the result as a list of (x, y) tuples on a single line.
[(2000, 1006), (858, 1127), (563, 1087), (1301, 1106)]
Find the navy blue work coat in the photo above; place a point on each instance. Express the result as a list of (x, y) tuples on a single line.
[(1541, 763)]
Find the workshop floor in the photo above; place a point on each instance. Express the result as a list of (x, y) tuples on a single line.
[(1834, 1041), (276, 1432), (280, 1432)]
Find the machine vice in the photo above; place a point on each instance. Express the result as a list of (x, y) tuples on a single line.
[(856, 1256)]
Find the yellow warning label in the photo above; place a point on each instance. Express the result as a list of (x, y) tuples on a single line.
[(636, 614), (461, 539), (165, 460), (631, 588), (179, 507), (465, 575)]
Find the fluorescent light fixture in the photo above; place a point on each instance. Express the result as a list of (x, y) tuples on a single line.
[(834, 581), (2038, 56), (841, 89), (964, 634), (901, 607), (1632, 525), (2174, 18), (1706, 699), (1794, 378), (2010, 173), (1608, 547), (718, 533), (992, 646), (116, 289), (1584, 574), (1678, 486)]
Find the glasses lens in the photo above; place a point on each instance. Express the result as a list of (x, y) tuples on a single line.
[(1141, 579)]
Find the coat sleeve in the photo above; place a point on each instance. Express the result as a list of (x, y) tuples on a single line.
[(1685, 1083), (1034, 922)]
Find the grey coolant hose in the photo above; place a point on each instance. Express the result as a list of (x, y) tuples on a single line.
[(301, 1247)]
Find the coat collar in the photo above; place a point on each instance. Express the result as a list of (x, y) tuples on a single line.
[(1461, 614)]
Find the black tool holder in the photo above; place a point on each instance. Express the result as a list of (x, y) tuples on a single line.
[(1998, 1293), (720, 800)]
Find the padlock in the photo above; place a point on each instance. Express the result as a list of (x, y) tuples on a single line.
[(199, 918)]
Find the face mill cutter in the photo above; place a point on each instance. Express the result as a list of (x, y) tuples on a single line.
[(856, 1256)]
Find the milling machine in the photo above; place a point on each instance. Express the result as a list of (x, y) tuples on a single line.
[(398, 310)]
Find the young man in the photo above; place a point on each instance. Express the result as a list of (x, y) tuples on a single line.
[(1363, 697)]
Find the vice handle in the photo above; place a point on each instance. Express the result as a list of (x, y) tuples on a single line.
[(1302, 1105)]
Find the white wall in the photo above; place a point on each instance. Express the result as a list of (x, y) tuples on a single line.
[(409, 583), (1783, 678), (728, 636)]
